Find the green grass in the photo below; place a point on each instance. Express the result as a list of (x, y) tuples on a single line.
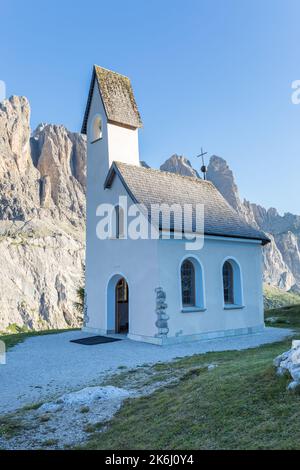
[(9, 427), (240, 404), (50, 443), (276, 298), (11, 340), (288, 316)]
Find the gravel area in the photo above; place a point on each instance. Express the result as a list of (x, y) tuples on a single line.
[(44, 367)]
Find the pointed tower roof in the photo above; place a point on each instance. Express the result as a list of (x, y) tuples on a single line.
[(117, 96)]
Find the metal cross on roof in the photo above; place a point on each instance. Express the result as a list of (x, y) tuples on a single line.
[(203, 167)]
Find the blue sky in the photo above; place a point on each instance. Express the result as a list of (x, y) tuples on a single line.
[(211, 73)]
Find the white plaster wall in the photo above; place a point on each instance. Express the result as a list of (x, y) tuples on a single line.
[(128, 258), (97, 168), (123, 144), (211, 257), (105, 258), (147, 264)]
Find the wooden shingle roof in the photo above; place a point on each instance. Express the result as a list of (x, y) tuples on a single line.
[(149, 186), (117, 97)]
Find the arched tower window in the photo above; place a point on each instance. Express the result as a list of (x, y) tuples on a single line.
[(188, 284), (96, 128)]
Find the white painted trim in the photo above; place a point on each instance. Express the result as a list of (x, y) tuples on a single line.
[(233, 307), (197, 260), (193, 309), (242, 303), (120, 274), (211, 237), (229, 239), (90, 135)]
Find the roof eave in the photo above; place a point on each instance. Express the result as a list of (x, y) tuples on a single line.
[(88, 103)]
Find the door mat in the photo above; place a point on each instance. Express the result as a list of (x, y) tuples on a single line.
[(91, 340)]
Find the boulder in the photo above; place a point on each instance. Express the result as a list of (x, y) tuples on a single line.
[(289, 362)]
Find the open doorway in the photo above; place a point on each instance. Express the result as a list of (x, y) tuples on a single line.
[(121, 302)]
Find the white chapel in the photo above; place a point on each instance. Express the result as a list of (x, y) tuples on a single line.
[(159, 289)]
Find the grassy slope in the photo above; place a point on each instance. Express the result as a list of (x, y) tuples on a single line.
[(288, 316), (241, 404), (11, 340), (276, 298)]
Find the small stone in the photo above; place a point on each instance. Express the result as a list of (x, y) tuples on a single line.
[(296, 343), (89, 394), (280, 371), (295, 372), (50, 407), (293, 386)]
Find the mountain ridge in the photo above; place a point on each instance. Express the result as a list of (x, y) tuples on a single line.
[(42, 220), (282, 255)]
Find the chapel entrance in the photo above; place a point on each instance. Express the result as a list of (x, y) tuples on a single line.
[(122, 306)]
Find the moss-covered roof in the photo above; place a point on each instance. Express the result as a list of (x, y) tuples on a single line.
[(117, 96)]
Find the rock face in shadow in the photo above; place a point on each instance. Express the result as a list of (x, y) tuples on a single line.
[(42, 220)]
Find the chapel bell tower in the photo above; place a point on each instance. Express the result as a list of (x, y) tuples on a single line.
[(111, 120)]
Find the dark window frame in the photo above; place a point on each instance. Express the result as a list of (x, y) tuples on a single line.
[(228, 283), (188, 278)]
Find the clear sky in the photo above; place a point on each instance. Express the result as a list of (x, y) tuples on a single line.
[(211, 73)]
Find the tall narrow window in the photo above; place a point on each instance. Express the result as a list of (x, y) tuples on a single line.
[(188, 284), (228, 283), (119, 222)]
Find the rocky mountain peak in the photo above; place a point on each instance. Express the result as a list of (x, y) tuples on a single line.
[(60, 157), (15, 133), (219, 173), (45, 171), (282, 255), (42, 219), (180, 165)]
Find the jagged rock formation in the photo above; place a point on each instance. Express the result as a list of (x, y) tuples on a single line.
[(282, 255), (179, 164), (219, 173), (42, 220)]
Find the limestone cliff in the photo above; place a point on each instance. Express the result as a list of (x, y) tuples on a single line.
[(42, 220)]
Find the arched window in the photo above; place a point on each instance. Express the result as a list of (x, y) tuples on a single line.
[(188, 284), (228, 283), (96, 129), (119, 221), (232, 283)]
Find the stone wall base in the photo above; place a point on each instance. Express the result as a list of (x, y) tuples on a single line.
[(182, 338)]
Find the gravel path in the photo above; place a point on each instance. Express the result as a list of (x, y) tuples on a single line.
[(45, 366)]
